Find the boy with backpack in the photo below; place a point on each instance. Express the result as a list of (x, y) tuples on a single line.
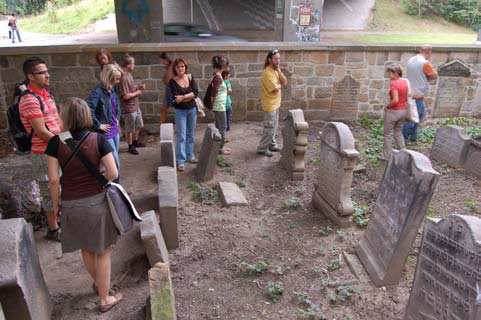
[(39, 117)]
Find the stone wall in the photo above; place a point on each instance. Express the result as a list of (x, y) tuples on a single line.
[(327, 82)]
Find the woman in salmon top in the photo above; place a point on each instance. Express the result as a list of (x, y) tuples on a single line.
[(396, 111)]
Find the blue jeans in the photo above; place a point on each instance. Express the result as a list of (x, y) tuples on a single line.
[(410, 129), (185, 121), (115, 142), (228, 113)]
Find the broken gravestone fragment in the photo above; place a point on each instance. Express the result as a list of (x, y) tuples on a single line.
[(153, 239), (231, 194)]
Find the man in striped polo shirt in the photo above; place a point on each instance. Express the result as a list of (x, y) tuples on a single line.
[(45, 124)]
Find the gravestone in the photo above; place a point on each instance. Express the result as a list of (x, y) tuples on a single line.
[(294, 133), (153, 239), (23, 292), (168, 204), (162, 300), (447, 281), (473, 157), (450, 94), (344, 102), (450, 146), (231, 195), (208, 154), (338, 158), (403, 197), (167, 145)]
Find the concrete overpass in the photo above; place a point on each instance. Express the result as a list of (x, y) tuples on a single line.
[(269, 20)]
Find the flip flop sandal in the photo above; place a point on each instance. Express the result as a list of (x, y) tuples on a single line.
[(106, 307)]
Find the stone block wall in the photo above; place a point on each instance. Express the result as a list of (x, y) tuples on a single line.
[(327, 82)]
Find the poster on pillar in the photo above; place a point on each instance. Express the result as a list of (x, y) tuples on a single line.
[(305, 11)]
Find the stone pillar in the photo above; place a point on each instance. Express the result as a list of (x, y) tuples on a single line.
[(139, 21), (294, 30)]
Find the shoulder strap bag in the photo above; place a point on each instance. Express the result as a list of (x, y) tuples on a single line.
[(121, 207)]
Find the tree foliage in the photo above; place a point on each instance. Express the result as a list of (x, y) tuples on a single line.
[(27, 7), (463, 12)]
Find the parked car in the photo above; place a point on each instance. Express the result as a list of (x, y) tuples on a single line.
[(184, 32)]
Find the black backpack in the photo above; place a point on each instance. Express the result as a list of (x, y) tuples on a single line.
[(21, 139), (208, 96)]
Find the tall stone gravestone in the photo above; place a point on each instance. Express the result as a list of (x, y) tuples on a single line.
[(23, 292), (450, 146), (403, 197), (168, 203), (473, 157), (447, 282), (338, 158), (294, 141), (451, 88), (344, 102), (167, 145), (208, 154)]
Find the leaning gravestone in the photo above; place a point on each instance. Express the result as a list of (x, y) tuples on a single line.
[(294, 147), (168, 203), (167, 145), (450, 95), (23, 292), (450, 146), (447, 282), (208, 154), (473, 157), (403, 198), (153, 239), (338, 157)]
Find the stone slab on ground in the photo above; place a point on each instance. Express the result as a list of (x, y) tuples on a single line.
[(448, 270), (338, 158), (168, 203), (450, 146), (356, 267), (23, 292), (231, 194), (401, 205), (162, 300), (208, 154), (153, 239)]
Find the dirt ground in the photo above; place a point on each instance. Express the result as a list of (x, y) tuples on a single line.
[(287, 245)]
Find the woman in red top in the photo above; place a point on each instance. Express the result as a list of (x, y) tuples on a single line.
[(396, 111)]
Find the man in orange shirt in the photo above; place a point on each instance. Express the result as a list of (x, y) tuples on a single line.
[(38, 112)]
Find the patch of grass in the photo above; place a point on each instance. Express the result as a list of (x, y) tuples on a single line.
[(359, 215), (343, 295), (474, 132), (456, 121), (260, 266), (375, 142), (426, 135), (419, 38), (334, 264), (204, 195), (291, 204), (316, 162), (325, 231), (309, 309), (470, 204), (431, 213), (274, 290), (68, 19), (220, 160)]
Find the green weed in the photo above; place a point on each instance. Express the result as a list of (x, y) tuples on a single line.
[(359, 215), (204, 195), (325, 231), (334, 264), (470, 204), (240, 184), (343, 294), (456, 121), (260, 266), (340, 235), (274, 290), (316, 162), (426, 135), (220, 160), (375, 142), (309, 310), (474, 132), (291, 204)]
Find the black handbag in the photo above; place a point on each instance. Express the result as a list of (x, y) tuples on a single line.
[(121, 207)]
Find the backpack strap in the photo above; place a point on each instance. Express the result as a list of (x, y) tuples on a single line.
[(75, 151)]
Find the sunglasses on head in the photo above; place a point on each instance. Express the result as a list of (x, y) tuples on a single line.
[(273, 52)]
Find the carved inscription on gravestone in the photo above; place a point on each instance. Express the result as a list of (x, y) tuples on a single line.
[(473, 157), (447, 281), (403, 198), (450, 146), (451, 88), (338, 157), (344, 102), (294, 147)]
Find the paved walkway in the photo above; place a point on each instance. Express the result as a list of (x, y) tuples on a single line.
[(347, 14)]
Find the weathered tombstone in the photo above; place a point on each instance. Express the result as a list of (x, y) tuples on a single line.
[(23, 292), (344, 102), (338, 157), (167, 145), (451, 88), (447, 281), (208, 154), (403, 198), (231, 195), (162, 300), (294, 144), (473, 157), (168, 204), (153, 239), (450, 146)]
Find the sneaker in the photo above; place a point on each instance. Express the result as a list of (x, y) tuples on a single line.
[(53, 235), (266, 153), (133, 150), (275, 148)]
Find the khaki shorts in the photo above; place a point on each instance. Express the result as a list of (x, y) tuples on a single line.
[(40, 172), (132, 121)]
